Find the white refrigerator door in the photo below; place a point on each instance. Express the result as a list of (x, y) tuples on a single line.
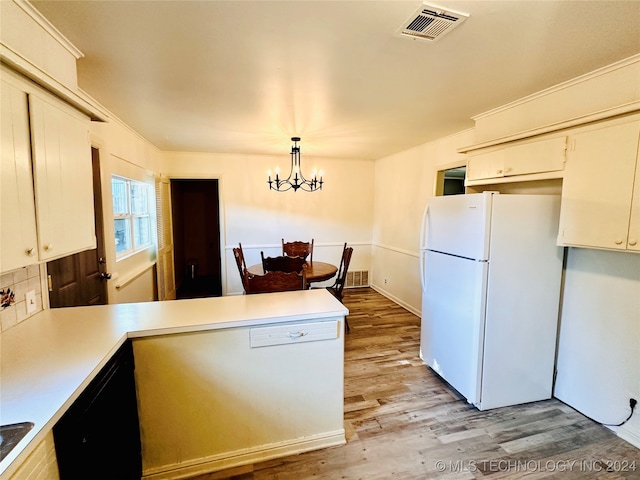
[(523, 295), (453, 305), (458, 224)]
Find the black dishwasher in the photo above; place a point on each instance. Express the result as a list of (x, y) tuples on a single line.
[(99, 436)]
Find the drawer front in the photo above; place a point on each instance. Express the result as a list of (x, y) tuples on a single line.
[(287, 334)]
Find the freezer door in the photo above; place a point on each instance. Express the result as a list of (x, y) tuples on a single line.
[(458, 224), (452, 331)]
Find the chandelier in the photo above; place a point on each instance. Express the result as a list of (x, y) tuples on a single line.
[(296, 179)]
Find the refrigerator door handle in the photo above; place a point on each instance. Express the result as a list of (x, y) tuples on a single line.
[(423, 230), (423, 258), (423, 236)]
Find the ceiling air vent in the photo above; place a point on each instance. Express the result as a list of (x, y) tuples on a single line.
[(431, 23)]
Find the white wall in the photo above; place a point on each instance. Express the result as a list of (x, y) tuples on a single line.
[(259, 218), (122, 152), (599, 349), (403, 182)]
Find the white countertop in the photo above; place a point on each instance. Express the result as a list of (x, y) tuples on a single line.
[(49, 359)]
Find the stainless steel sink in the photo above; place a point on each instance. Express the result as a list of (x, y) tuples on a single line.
[(10, 435)]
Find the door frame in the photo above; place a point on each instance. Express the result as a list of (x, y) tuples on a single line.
[(98, 204), (438, 178), (221, 209)]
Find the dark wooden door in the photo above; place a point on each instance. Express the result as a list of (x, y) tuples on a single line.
[(78, 279)]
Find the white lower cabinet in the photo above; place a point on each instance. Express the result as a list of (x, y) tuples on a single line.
[(601, 188), (46, 185)]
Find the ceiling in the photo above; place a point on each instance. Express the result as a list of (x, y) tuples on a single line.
[(245, 76)]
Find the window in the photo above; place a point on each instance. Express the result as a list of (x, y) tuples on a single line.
[(131, 215)]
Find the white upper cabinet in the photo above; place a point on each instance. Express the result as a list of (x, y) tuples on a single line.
[(18, 240), (524, 158), (601, 189), (62, 178), (46, 196), (633, 241)]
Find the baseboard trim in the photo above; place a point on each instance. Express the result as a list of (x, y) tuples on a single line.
[(246, 456), (627, 435), (395, 299)]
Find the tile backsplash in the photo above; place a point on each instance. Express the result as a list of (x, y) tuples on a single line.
[(19, 282)]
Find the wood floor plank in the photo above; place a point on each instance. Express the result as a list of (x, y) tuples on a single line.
[(403, 422)]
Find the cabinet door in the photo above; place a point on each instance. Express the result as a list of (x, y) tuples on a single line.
[(633, 242), (535, 157), (18, 241), (597, 187), (486, 165), (62, 177)]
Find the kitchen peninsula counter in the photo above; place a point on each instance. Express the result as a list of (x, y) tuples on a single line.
[(50, 358)]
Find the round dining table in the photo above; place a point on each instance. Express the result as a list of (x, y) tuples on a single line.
[(316, 271)]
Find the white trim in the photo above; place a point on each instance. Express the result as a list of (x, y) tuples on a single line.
[(627, 108), (562, 86), (127, 279), (626, 434), (395, 299), (37, 17), (24, 67), (558, 174), (246, 456), (397, 250), (279, 245)]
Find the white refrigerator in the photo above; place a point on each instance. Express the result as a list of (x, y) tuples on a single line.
[(491, 275)]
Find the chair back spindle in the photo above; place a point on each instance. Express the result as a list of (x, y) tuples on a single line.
[(338, 287), (238, 254)]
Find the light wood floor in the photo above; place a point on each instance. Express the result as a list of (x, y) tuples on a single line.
[(404, 423)]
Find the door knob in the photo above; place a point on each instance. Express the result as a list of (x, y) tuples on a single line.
[(632, 242), (105, 276)]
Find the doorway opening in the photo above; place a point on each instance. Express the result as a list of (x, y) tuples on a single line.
[(195, 210), (450, 181)]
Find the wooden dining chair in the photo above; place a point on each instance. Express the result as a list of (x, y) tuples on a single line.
[(337, 289), (274, 281), (282, 263), (298, 249), (239, 256)]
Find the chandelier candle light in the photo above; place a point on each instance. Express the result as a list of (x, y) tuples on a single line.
[(295, 179)]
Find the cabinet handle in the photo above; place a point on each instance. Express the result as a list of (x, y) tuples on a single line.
[(618, 241), (633, 242), (296, 334), (48, 248), (30, 252), (498, 171)]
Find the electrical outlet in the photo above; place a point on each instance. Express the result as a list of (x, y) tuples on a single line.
[(632, 403), (30, 298)]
